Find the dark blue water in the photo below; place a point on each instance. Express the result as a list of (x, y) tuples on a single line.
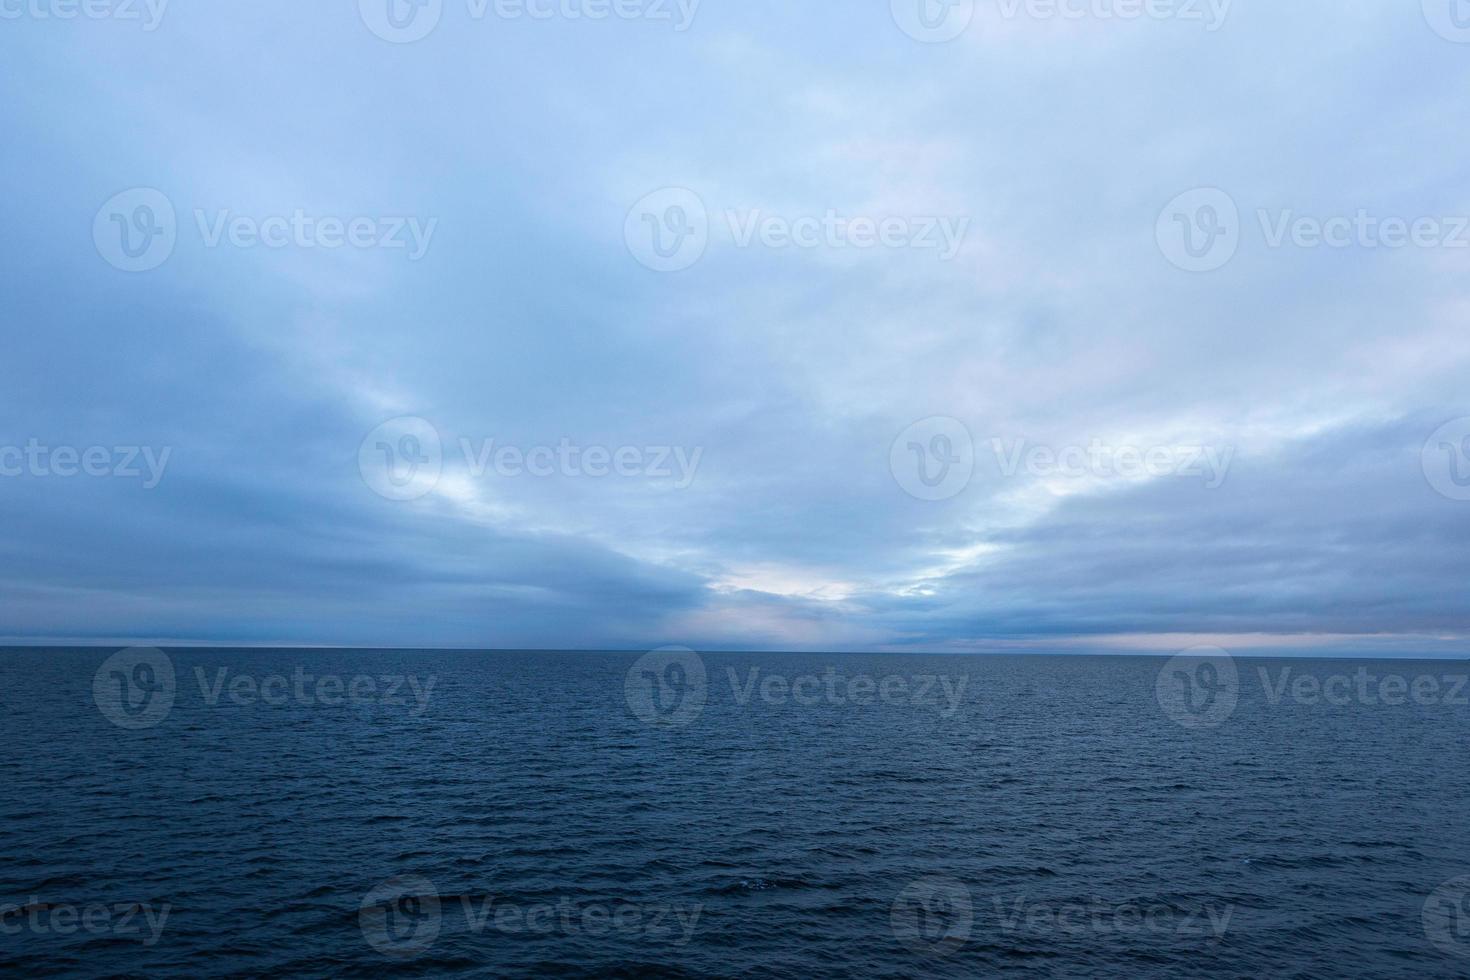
[(556, 814)]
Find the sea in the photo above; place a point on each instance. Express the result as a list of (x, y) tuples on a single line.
[(371, 813)]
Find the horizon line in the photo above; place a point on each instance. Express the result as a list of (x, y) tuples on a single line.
[(11, 643)]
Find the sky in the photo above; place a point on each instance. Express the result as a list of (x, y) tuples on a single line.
[(996, 326)]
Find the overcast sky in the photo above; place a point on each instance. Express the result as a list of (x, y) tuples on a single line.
[(835, 325)]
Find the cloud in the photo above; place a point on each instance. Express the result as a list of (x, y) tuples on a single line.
[(792, 370)]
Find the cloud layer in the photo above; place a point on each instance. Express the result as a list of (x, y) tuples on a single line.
[(806, 158)]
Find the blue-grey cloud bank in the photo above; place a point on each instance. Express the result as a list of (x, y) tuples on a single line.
[(879, 325)]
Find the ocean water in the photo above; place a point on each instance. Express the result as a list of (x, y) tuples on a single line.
[(371, 813)]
